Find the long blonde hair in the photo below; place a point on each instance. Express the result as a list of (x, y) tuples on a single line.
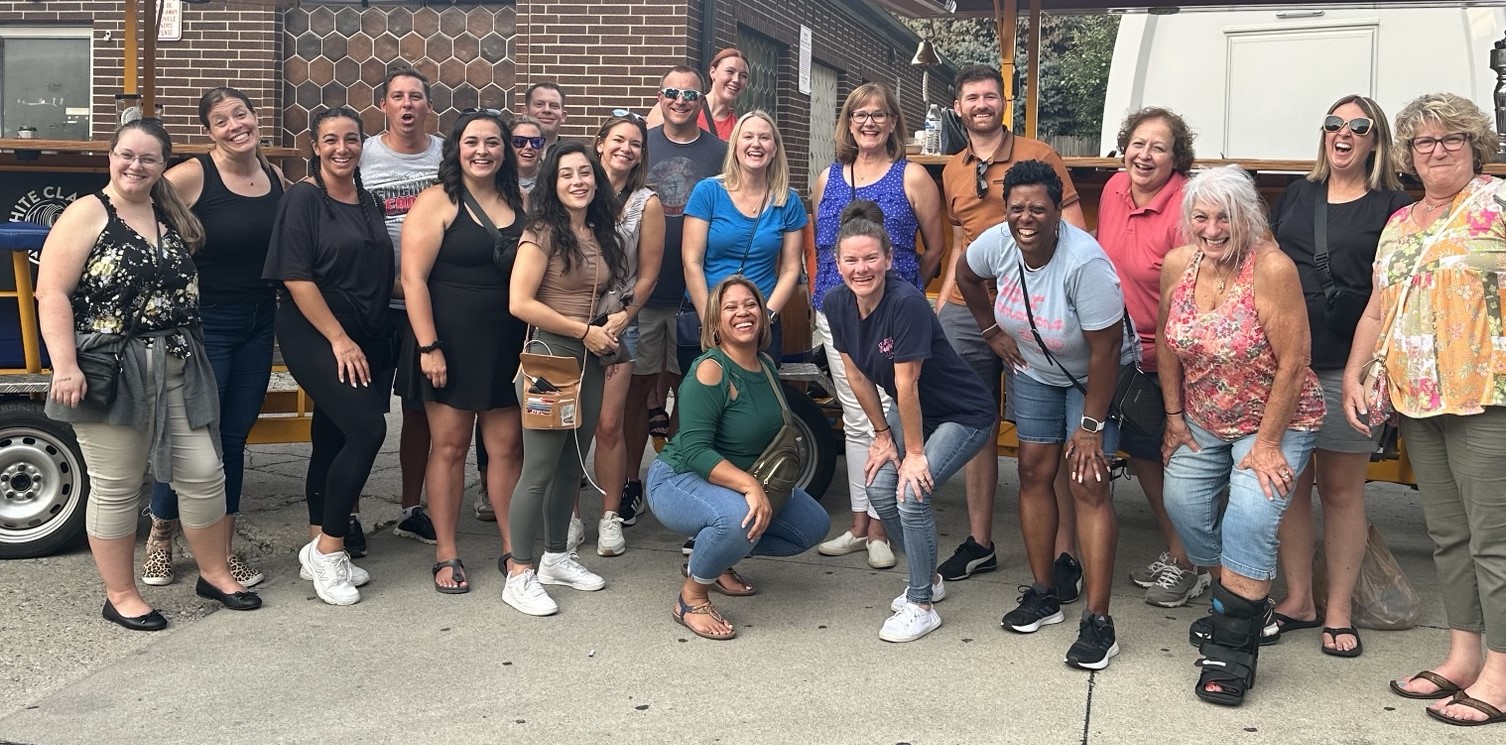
[(779, 170)]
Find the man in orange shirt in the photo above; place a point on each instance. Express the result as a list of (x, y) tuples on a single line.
[(972, 185)]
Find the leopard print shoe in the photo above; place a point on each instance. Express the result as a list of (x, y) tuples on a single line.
[(244, 573), (157, 566)]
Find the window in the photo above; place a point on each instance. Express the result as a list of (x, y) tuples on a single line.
[(763, 56), (44, 81)]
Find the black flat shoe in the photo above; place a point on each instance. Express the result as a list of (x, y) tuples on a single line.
[(152, 621), (244, 600)]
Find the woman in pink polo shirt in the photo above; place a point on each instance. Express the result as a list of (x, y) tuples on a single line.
[(1139, 221)]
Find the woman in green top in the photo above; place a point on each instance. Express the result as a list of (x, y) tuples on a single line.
[(700, 486)]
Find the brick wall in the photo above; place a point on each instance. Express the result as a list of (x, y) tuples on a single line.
[(221, 45)]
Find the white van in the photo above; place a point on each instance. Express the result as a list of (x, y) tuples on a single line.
[(1255, 83)]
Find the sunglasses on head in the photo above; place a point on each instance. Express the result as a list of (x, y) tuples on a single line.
[(488, 112), (1359, 125), (519, 142), (685, 94), (628, 114)]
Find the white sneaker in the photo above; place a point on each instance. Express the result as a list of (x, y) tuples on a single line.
[(609, 540), (358, 576), (524, 593), (842, 545), (910, 623), (330, 573), (576, 535), (880, 556), (564, 569), (938, 594)]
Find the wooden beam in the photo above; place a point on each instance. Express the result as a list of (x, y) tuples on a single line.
[(1033, 71), (1006, 17), (132, 36)]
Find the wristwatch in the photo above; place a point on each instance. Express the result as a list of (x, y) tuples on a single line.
[(1092, 425), (427, 348)]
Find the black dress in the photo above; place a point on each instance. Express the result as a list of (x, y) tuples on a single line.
[(468, 295)]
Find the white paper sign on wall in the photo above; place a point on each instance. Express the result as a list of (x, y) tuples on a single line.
[(170, 27), (805, 60)]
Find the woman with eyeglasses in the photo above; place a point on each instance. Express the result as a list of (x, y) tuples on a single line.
[(729, 78), (330, 254), (622, 147), (118, 296), (234, 192), (1354, 188), (746, 221), (569, 260), (1438, 270), (871, 166), (458, 244), (527, 140)]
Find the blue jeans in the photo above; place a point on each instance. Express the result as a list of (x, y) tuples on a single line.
[(713, 515), (1243, 538), (910, 523), (238, 342)]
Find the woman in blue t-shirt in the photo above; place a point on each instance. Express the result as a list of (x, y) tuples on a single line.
[(889, 338), (746, 221)]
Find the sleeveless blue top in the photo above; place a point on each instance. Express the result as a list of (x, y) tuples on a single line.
[(899, 221)]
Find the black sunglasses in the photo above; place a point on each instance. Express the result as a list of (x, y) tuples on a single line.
[(685, 94), (981, 171), (1359, 125), (519, 141)]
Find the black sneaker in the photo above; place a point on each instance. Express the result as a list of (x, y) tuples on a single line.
[(969, 559), (688, 547), (1095, 643), (1035, 610), (355, 538), (632, 501), (1201, 630), (417, 526), (1066, 574)]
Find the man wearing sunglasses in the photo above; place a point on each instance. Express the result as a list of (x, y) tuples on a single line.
[(395, 166), (545, 101), (973, 189), (680, 155)]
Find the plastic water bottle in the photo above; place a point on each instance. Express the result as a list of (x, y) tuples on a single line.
[(932, 144)]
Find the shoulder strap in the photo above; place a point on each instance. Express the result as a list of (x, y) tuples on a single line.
[(1320, 238), (1030, 316), (748, 248), (481, 217), (784, 406)]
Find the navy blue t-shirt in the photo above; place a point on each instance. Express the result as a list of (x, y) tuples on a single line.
[(904, 329), (673, 172)]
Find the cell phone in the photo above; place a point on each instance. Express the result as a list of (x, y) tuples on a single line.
[(540, 385)]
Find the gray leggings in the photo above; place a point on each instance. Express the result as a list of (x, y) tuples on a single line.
[(552, 462)]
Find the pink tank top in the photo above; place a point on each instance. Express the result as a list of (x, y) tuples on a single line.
[(1227, 363)]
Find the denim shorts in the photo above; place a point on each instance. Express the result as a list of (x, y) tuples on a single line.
[(1048, 414)]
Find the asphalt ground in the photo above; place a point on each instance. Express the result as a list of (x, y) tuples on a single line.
[(407, 665)]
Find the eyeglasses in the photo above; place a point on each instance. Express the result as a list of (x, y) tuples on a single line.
[(684, 94), (519, 142), (146, 161), (1359, 125), (981, 171), (862, 117), (1450, 143), (488, 112), (627, 114)]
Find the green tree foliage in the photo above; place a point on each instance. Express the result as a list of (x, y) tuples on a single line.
[(1075, 54)]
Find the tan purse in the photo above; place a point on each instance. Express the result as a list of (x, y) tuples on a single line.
[(550, 399), (779, 466)]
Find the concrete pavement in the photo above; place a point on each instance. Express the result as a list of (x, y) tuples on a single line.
[(408, 665)]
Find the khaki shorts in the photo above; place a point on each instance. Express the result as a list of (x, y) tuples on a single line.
[(657, 339)]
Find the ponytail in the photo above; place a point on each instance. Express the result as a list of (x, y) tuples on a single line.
[(178, 215)]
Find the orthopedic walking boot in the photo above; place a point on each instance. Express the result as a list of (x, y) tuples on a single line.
[(1230, 654)]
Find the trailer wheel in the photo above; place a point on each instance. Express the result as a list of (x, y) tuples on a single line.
[(43, 484), (819, 447)]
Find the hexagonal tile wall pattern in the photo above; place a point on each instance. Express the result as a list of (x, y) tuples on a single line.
[(338, 55)]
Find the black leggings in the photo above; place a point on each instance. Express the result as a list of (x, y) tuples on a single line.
[(349, 424)]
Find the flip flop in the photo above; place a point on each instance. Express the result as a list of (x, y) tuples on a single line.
[(1287, 623), (457, 575), (1492, 714), (748, 589), (705, 609), (1359, 646), (1446, 687), (658, 422)]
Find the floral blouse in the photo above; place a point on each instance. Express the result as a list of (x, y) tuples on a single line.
[(1228, 367), (1448, 341), (130, 287)]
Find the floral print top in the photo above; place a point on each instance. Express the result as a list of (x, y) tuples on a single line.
[(131, 287), (1448, 342), (1228, 367)]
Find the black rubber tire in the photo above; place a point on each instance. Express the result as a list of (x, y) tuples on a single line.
[(43, 483), (822, 450)]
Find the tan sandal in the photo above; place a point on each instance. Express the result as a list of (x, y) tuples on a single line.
[(704, 609), (746, 588)]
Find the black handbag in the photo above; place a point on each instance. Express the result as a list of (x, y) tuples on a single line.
[(101, 364), (779, 466), (504, 246)]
